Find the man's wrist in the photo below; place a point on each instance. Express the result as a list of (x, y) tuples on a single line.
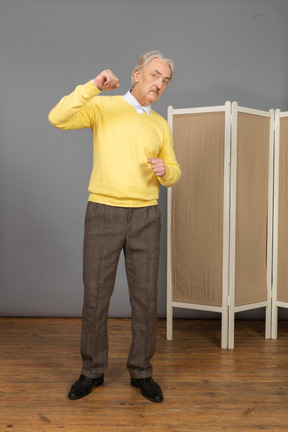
[(96, 85)]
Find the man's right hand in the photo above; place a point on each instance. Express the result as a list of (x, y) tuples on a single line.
[(106, 80)]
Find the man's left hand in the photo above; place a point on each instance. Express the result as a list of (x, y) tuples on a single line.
[(157, 166)]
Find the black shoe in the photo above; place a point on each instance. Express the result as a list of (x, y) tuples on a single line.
[(83, 386), (149, 388)]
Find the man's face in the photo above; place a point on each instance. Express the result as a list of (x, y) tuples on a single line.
[(151, 82)]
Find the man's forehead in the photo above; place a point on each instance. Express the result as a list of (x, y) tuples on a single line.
[(160, 67)]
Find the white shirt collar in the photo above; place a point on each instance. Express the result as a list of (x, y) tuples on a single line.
[(135, 104)]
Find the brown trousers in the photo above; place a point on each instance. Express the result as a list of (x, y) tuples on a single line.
[(108, 230)]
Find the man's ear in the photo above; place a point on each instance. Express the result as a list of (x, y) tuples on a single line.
[(137, 74)]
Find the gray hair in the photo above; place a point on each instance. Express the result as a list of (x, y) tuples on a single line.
[(146, 58)]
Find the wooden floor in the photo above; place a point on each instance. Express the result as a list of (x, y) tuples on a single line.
[(205, 388)]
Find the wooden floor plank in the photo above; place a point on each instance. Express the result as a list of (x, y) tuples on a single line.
[(206, 389)]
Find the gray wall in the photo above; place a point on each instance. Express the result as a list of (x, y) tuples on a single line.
[(223, 50)]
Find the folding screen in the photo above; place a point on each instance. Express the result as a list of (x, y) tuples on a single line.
[(251, 213), (198, 214), (220, 214), (280, 255)]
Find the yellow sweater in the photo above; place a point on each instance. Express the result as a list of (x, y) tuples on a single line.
[(123, 141)]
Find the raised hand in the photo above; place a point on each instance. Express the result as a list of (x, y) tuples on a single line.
[(106, 80)]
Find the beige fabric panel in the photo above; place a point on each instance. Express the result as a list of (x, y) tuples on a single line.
[(197, 209), (282, 283), (253, 134)]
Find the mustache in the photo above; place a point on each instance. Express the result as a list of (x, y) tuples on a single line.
[(155, 90)]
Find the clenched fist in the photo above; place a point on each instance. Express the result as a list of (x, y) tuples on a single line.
[(157, 166), (106, 80)]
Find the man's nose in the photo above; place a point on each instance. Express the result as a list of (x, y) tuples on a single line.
[(159, 83)]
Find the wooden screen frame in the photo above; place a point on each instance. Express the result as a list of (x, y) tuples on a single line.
[(229, 306), (276, 303), (223, 308), (233, 308)]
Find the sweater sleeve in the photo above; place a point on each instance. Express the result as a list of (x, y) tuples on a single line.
[(76, 111), (173, 171)]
